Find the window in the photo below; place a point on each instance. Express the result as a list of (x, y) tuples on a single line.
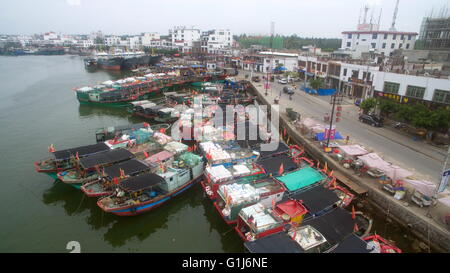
[(415, 91), (385, 36), (402, 37), (394, 37), (374, 45), (400, 45), (391, 87), (358, 36), (374, 36), (349, 35), (407, 46), (409, 37), (392, 45), (345, 71), (355, 74), (384, 45), (349, 44), (441, 96)]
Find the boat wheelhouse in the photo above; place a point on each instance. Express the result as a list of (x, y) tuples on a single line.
[(234, 196), (87, 169), (378, 244), (64, 159), (257, 221), (145, 192), (111, 132)]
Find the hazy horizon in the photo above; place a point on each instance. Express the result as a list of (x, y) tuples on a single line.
[(305, 18)]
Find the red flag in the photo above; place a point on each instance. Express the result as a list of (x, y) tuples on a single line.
[(116, 180), (146, 154), (353, 213), (51, 149), (78, 158), (294, 235), (318, 164), (356, 228), (331, 173), (273, 203), (281, 170), (146, 124), (162, 130), (284, 132)]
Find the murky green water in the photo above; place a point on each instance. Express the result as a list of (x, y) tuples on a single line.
[(37, 108)]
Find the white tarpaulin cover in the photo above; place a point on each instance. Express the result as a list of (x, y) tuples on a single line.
[(425, 187), (218, 173), (373, 161), (353, 150)]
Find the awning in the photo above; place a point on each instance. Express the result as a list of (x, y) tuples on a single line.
[(334, 226), (130, 167), (300, 179), (274, 243), (352, 244), (282, 148), (141, 182), (82, 151), (317, 199), (272, 164), (105, 157)]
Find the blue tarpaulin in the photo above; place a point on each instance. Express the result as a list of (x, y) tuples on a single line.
[(197, 66), (321, 136), (281, 68), (320, 92)]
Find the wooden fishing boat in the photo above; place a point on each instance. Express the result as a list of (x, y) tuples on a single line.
[(65, 159), (148, 191), (88, 169)]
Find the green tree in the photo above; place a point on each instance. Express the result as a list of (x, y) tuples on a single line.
[(316, 83), (388, 107), (368, 104), (405, 112)]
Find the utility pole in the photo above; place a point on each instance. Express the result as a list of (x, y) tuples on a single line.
[(331, 119)]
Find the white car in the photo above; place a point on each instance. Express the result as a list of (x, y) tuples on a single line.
[(283, 81)]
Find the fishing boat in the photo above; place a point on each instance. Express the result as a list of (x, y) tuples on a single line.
[(64, 159), (232, 197), (378, 244), (87, 169), (318, 235), (124, 91), (257, 221), (150, 163), (146, 192)]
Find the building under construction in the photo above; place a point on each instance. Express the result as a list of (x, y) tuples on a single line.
[(435, 33)]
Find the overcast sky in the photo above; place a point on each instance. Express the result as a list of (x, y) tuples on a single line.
[(306, 18)]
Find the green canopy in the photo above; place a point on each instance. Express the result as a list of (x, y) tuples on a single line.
[(301, 178)]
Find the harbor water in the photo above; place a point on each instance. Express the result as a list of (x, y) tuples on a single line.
[(38, 107)]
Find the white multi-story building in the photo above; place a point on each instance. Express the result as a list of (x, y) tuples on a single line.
[(112, 40), (183, 37), (380, 41), (149, 38), (50, 36), (215, 41)]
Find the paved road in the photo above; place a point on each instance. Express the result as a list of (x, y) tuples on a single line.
[(424, 160)]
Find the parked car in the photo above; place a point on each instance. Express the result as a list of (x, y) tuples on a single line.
[(283, 81), (256, 79), (288, 90), (371, 120)]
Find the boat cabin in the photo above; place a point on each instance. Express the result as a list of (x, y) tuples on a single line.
[(232, 197)]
